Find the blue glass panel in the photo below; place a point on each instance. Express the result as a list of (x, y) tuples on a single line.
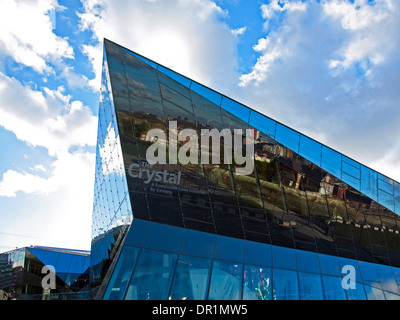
[(163, 237), (386, 199), (387, 278), (285, 284), (374, 293), (262, 123), (257, 284), (369, 183), (397, 197), (350, 262), (310, 149), (283, 258), (137, 233), (288, 137), (181, 79), (358, 293), (198, 243), (191, 278), (78, 264), (63, 261), (47, 257), (152, 276), (331, 161), (209, 94), (369, 273), (307, 261), (351, 167), (351, 181), (228, 248), (257, 253), (396, 273), (310, 286), (122, 273), (226, 281), (235, 108), (333, 288), (391, 296), (385, 184), (149, 62)]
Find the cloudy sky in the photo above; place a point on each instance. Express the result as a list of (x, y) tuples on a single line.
[(329, 69)]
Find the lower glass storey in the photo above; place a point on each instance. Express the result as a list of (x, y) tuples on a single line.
[(160, 262)]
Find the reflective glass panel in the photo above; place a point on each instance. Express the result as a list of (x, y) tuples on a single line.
[(283, 258), (257, 253), (226, 281), (397, 197), (331, 161), (122, 273), (137, 232), (307, 261), (310, 149), (333, 288), (164, 237), (387, 278), (374, 293), (180, 79), (358, 293), (198, 243), (229, 249), (190, 278), (209, 94), (237, 109), (262, 123), (310, 286), (257, 284), (391, 296), (288, 137), (285, 284), (152, 276), (369, 273)]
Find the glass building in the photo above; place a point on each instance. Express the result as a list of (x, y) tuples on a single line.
[(21, 271), (307, 223)]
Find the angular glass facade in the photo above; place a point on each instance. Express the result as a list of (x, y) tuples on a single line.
[(202, 231), (21, 270)]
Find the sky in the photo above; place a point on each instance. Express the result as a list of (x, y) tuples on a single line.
[(329, 69)]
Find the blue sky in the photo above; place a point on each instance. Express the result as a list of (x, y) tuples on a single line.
[(329, 69)]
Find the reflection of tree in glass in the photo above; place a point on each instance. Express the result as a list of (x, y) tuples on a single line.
[(144, 126)]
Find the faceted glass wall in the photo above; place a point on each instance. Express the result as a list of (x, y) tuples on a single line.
[(301, 195), (168, 263), (21, 269), (374, 185), (111, 205)]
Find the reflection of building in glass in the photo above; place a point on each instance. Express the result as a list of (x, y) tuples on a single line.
[(283, 232), (22, 271)]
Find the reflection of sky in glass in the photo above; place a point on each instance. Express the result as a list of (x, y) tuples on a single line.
[(350, 171)]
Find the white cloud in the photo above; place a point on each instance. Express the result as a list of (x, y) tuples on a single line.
[(331, 71), (187, 36), (275, 6), (371, 30), (48, 120), (239, 31), (14, 181), (26, 34)]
